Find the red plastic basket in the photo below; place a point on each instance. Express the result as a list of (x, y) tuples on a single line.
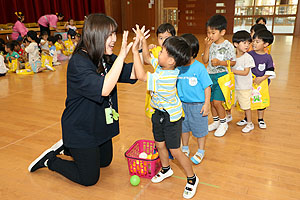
[(146, 168)]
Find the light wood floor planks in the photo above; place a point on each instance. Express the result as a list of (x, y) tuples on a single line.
[(262, 165)]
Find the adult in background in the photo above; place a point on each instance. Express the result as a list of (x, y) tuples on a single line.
[(19, 29), (49, 22)]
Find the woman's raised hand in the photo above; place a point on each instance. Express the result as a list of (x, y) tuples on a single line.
[(125, 47)]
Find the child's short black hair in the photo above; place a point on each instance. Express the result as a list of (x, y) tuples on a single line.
[(257, 27), (33, 36), (72, 33), (193, 42), (241, 36), (217, 22), (58, 37), (10, 46), (166, 27), (51, 39), (265, 35), (25, 39), (179, 49), (44, 33), (15, 43), (261, 18), (59, 15)]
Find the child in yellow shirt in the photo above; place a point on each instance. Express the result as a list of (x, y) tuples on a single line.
[(60, 48)]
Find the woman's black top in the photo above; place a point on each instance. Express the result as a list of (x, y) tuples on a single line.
[(83, 120)]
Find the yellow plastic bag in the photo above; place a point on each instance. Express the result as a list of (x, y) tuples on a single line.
[(46, 60), (155, 51), (24, 72), (227, 85), (27, 66), (260, 97), (148, 108), (13, 65)]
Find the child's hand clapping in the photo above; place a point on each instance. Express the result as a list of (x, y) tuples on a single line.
[(141, 32)]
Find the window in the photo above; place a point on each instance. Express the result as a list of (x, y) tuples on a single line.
[(280, 14)]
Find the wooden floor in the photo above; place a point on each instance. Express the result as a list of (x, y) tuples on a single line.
[(264, 164)]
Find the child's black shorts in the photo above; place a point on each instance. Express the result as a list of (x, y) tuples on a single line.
[(164, 130)]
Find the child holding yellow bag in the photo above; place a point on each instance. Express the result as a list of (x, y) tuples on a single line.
[(217, 52), (243, 76), (264, 67)]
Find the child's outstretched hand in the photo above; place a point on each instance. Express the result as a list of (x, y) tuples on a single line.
[(125, 48), (141, 32), (207, 42)]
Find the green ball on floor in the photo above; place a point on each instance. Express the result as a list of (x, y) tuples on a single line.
[(135, 180)]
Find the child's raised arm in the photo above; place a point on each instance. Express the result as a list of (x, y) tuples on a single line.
[(137, 63), (205, 55), (141, 34)]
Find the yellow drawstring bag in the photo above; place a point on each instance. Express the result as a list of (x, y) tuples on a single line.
[(260, 97), (227, 85), (13, 65), (46, 60)]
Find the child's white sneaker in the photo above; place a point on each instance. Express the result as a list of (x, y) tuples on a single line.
[(160, 176), (197, 158), (249, 127), (262, 124), (190, 190), (221, 130), (242, 122), (214, 125)]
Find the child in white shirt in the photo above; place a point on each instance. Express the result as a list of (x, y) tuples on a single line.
[(243, 76), (3, 69)]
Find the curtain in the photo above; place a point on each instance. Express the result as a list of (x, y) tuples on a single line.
[(34, 9)]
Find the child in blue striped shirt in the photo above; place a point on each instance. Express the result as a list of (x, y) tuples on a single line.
[(167, 118)]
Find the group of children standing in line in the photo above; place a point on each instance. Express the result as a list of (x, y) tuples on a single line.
[(182, 90), (33, 47)]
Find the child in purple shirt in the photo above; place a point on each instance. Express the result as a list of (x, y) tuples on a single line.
[(264, 66)]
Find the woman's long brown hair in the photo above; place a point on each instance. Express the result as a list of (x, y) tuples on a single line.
[(96, 29)]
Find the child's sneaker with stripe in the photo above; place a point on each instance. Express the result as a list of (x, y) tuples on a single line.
[(191, 187)]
